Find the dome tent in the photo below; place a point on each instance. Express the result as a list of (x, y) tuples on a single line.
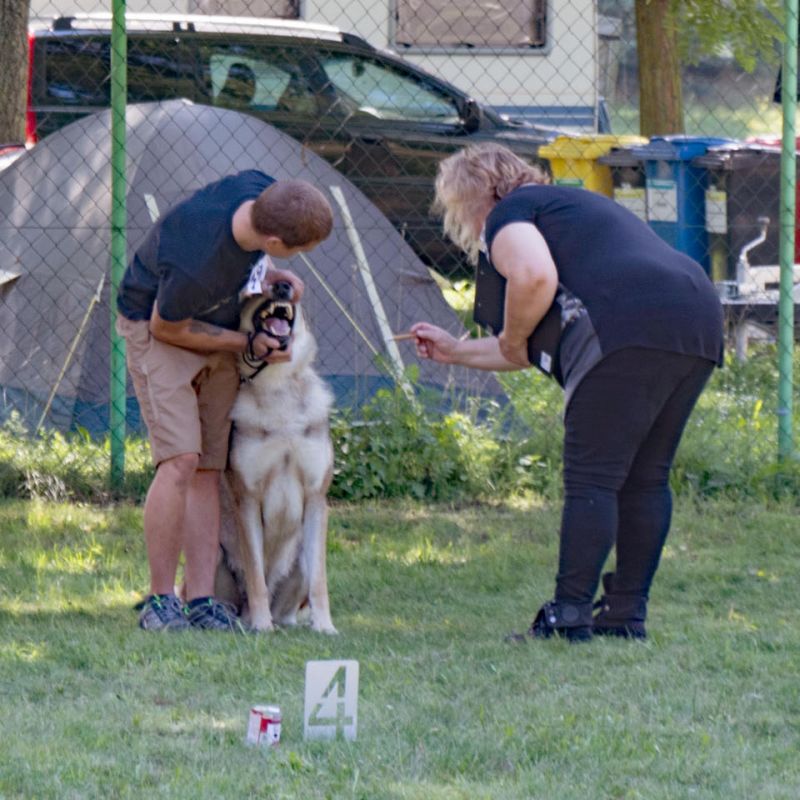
[(363, 283)]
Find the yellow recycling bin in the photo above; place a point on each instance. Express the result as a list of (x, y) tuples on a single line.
[(573, 159)]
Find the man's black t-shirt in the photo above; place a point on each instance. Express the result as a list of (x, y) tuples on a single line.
[(638, 291), (190, 263)]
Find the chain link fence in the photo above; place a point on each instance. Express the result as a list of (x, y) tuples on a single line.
[(364, 99)]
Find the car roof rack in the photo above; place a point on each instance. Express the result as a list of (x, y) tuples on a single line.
[(202, 23)]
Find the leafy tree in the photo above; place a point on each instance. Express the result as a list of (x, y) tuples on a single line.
[(13, 69), (750, 30), (670, 33)]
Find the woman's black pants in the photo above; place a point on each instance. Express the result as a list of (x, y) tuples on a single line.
[(622, 428)]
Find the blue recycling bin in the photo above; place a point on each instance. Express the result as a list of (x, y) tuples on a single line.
[(676, 191)]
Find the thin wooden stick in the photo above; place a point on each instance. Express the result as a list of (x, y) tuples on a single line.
[(402, 337)]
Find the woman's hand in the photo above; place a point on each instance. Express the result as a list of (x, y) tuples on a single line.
[(438, 345), (435, 343), (515, 351)]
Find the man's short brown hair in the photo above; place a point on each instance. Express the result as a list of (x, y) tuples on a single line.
[(294, 211)]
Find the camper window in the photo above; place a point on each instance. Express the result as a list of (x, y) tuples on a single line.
[(442, 24)]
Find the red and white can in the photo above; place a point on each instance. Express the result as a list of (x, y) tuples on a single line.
[(264, 726)]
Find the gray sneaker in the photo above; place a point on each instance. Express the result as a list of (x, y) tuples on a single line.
[(163, 612), (214, 615)]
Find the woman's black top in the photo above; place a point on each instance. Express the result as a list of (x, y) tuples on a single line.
[(638, 291)]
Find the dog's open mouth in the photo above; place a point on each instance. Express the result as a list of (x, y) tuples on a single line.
[(276, 317)]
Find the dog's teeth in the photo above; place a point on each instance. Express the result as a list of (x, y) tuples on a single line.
[(287, 308)]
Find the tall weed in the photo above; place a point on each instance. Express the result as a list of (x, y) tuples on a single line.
[(59, 467), (731, 441), (395, 446)]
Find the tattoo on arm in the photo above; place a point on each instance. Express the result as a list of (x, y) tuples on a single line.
[(205, 328)]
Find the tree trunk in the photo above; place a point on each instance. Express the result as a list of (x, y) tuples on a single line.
[(13, 69), (660, 96)]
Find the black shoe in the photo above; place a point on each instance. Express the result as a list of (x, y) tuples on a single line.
[(162, 612), (620, 615), (628, 630), (212, 615), (572, 621)]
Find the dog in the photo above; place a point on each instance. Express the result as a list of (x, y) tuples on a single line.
[(274, 507)]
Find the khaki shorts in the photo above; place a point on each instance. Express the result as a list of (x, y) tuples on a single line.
[(184, 396)]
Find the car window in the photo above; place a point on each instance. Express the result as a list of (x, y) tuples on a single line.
[(255, 79), (159, 69), (77, 71), (383, 91)]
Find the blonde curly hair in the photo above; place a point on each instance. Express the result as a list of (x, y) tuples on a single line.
[(473, 179)]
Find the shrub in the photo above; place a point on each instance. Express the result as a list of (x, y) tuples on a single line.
[(394, 447), (60, 467), (397, 446)]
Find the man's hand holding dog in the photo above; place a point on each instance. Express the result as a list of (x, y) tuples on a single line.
[(266, 348), (207, 338)]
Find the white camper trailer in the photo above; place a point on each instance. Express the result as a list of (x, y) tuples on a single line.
[(536, 59)]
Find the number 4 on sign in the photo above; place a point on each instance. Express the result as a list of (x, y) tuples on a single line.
[(331, 704)]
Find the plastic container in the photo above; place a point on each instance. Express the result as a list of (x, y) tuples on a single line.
[(676, 191), (627, 179), (743, 185), (574, 160)]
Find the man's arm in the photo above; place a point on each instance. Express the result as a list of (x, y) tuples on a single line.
[(204, 337)]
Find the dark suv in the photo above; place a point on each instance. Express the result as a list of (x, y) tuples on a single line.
[(382, 122)]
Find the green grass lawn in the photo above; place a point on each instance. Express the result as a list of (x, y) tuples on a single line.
[(92, 707), (733, 122)]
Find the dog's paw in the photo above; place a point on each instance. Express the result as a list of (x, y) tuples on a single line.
[(260, 623), (324, 627)]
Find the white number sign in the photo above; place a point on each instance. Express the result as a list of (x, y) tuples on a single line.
[(331, 704)]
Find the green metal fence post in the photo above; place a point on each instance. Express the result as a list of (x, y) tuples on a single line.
[(788, 202), (119, 91)]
